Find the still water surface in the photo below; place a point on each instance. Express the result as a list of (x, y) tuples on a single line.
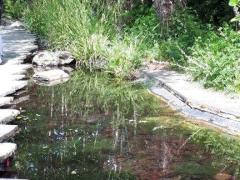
[(93, 127)]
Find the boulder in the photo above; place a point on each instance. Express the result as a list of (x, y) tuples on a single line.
[(51, 77), (58, 58)]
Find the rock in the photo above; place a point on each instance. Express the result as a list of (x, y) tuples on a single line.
[(58, 58), (21, 99), (7, 131), (17, 24), (10, 87), (14, 69), (66, 69), (5, 101), (51, 77), (7, 115), (7, 150)]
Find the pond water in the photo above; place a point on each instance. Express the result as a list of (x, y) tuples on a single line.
[(94, 127)]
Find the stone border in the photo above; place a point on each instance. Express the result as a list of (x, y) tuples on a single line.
[(224, 121)]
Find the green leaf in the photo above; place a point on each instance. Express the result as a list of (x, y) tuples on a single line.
[(237, 18), (234, 2)]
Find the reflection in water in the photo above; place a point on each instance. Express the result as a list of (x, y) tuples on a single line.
[(93, 127)]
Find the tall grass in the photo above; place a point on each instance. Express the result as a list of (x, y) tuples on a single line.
[(87, 28)]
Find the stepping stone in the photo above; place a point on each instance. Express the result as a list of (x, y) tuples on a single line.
[(7, 131), (9, 77), (14, 69), (11, 87), (7, 115), (11, 179), (7, 150), (51, 77), (5, 101), (21, 99)]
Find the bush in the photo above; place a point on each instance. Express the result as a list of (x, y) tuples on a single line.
[(213, 11), (215, 60), (210, 55)]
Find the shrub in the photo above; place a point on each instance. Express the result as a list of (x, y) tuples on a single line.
[(215, 60)]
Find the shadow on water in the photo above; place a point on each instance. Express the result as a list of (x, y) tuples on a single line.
[(94, 127)]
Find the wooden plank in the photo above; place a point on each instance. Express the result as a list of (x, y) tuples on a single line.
[(7, 150), (7, 115)]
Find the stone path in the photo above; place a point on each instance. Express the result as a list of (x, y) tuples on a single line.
[(18, 43), (193, 100)]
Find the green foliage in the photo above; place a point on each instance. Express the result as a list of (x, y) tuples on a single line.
[(211, 56), (184, 28), (145, 30), (215, 59), (14, 8), (234, 2), (89, 29), (100, 32)]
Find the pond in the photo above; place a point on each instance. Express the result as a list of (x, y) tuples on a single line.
[(96, 127)]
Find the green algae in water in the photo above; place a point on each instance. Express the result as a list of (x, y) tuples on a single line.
[(95, 127)]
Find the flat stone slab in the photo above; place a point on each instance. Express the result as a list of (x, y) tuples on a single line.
[(195, 95), (11, 179), (7, 115), (193, 100), (21, 99), (7, 150), (55, 76), (9, 77), (14, 69), (5, 101), (227, 125), (11, 87), (7, 131)]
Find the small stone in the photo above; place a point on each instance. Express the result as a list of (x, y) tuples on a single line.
[(73, 172)]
